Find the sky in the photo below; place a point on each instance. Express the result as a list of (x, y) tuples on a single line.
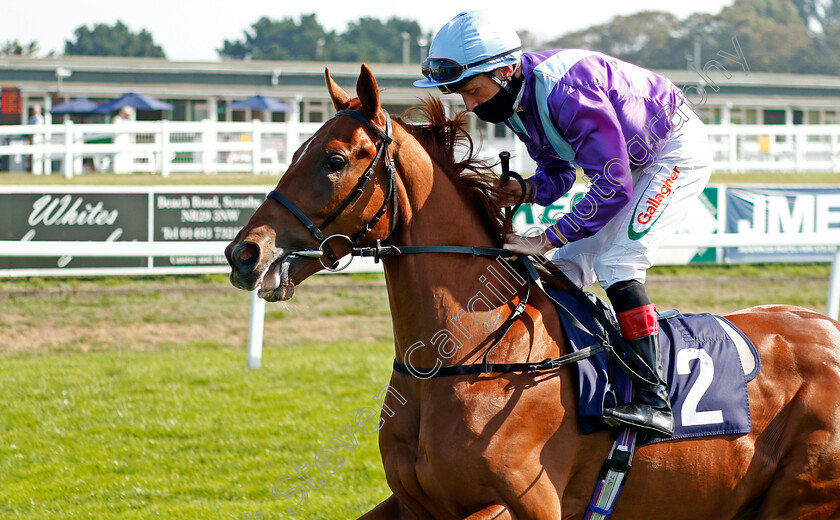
[(192, 30)]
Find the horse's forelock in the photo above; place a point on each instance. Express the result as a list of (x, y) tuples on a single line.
[(442, 137)]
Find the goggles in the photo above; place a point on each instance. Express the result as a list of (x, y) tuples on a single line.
[(446, 70)]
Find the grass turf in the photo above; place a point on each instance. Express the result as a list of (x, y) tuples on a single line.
[(188, 432)]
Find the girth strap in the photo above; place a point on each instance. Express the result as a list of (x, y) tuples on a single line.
[(486, 368), (613, 474), (530, 275)]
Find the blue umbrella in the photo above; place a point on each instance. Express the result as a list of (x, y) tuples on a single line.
[(75, 106), (135, 101), (260, 102)]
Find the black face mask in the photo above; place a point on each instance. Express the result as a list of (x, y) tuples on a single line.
[(499, 108)]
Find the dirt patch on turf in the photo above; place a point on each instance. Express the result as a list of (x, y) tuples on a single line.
[(158, 317), (333, 309)]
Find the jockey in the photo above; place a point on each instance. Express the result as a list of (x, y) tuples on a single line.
[(645, 153)]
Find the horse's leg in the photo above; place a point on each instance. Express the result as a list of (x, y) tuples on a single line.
[(496, 512), (387, 510)]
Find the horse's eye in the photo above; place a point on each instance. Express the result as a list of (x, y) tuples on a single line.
[(335, 163)]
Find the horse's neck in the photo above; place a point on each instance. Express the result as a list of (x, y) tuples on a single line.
[(438, 298)]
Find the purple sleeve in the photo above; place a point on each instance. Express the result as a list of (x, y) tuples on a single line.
[(588, 122), (552, 179)]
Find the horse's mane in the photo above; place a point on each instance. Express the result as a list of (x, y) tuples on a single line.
[(443, 138)]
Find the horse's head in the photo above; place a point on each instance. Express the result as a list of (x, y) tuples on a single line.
[(341, 182)]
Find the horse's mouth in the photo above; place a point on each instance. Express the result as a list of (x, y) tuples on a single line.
[(278, 281), (275, 283)]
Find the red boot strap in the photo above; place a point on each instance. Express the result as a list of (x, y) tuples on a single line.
[(638, 322)]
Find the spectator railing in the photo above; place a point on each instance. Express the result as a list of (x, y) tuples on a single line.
[(165, 147)]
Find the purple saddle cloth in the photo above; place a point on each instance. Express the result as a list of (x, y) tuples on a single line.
[(708, 363)]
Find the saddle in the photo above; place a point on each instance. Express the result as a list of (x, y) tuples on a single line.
[(707, 360)]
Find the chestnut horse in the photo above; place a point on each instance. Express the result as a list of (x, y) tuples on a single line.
[(508, 445)]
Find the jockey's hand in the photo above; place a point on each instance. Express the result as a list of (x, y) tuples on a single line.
[(534, 246), (509, 194)]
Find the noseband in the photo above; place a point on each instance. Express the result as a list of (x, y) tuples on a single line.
[(382, 150)]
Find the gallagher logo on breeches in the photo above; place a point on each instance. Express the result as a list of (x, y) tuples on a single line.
[(651, 205)]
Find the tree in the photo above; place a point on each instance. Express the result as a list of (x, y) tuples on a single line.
[(283, 40), (822, 17), (104, 40), (16, 48), (773, 36), (646, 38), (370, 40), (819, 15), (366, 39)]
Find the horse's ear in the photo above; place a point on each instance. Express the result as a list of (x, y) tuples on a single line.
[(339, 97), (368, 93)]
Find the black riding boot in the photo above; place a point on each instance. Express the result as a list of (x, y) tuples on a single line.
[(650, 412)]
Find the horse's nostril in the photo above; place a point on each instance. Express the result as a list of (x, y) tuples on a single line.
[(246, 255)]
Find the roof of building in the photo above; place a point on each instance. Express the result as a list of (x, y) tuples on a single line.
[(110, 77)]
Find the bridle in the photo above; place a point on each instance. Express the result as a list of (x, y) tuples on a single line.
[(382, 151)]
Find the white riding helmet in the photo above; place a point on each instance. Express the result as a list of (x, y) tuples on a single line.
[(470, 44)]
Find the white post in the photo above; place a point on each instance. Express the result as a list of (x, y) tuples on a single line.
[(213, 108), (68, 149), (255, 330), (791, 137), (209, 140), (799, 143), (256, 145), (48, 133), (293, 120), (732, 145), (833, 305), (164, 149), (37, 149)]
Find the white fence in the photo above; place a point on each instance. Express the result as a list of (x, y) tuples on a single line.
[(166, 147), (782, 148), (162, 147)]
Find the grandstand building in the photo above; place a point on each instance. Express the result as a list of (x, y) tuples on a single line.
[(199, 90), (758, 121)]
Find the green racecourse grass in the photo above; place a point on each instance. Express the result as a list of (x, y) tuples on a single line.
[(129, 398), (141, 405)]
